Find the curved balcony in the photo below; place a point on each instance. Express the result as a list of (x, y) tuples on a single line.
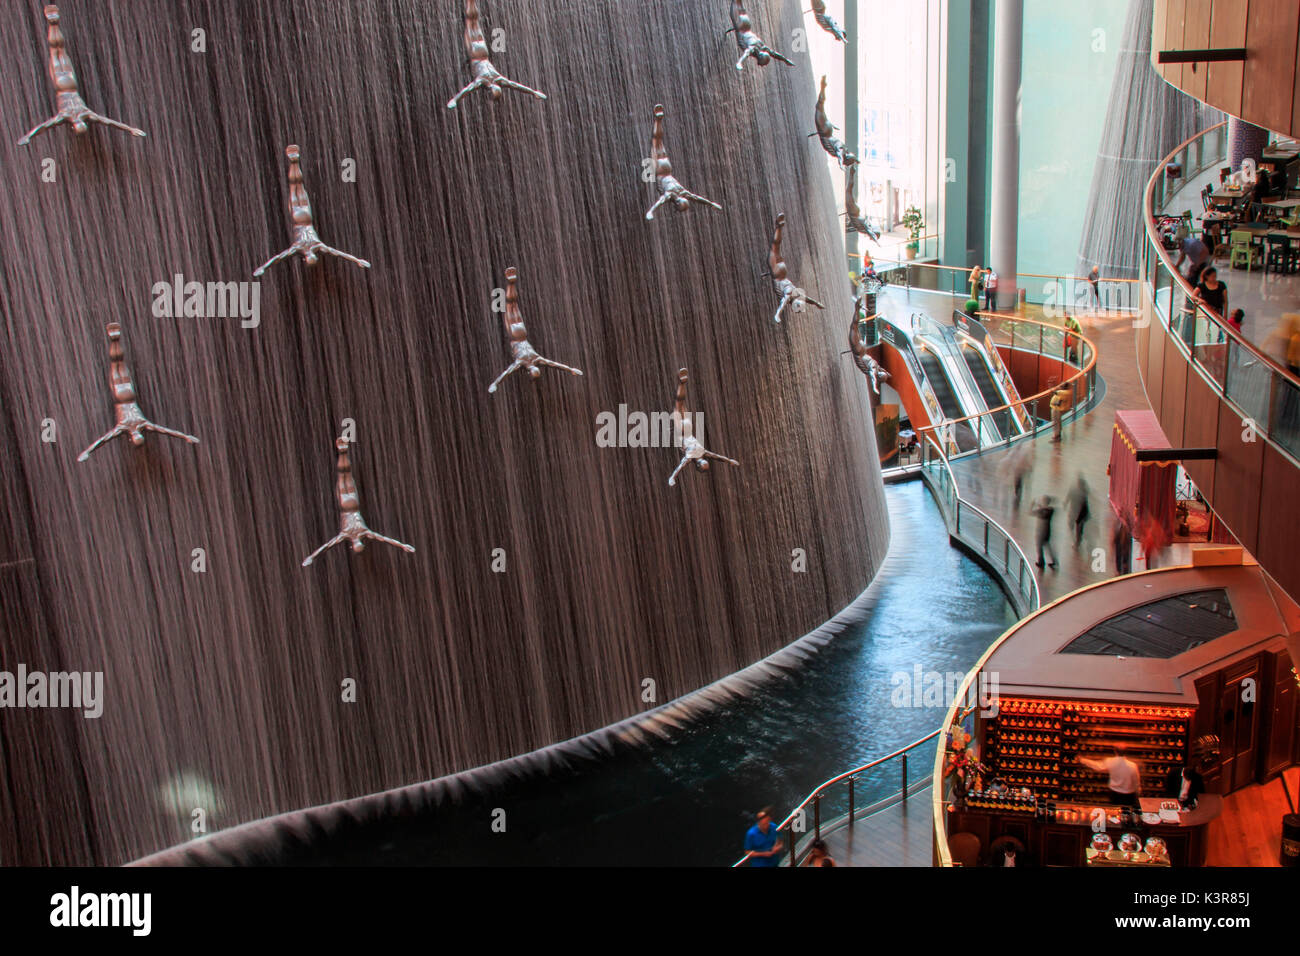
[(1255, 80), (1212, 388)]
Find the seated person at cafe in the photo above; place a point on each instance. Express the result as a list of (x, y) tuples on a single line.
[(1184, 785), (1125, 778), (1212, 293)]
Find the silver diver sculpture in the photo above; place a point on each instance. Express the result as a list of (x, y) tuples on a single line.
[(826, 133), (852, 212), (525, 356), (306, 242), (692, 448), (827, 22), (130, 419), (480, 67), (352, 527), (71, 107), (867, 365), (790, 293), (751, 45), (670, 190)]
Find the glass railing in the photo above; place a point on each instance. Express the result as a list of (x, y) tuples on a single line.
[(980, 533), (1257, 385), (1063, 293), (843, 800), (1079, 379)]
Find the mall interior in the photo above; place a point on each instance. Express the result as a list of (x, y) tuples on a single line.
[(986, 556)]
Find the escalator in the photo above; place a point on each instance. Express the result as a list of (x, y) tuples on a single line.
[(937, 376), (938, 379), (979, 371)]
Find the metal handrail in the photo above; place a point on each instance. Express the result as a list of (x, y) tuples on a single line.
[(815, 797), (943, 854), (963, 271), (1195, 311), (1087, 370), (1034, 597)]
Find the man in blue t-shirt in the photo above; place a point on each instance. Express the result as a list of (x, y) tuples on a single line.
[(761, 842)]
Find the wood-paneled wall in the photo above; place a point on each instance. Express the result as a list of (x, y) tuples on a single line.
[(1251, 485), (1265, 90)]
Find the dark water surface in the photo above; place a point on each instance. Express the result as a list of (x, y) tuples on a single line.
[(688, 800)]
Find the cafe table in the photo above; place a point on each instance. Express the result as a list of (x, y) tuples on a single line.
[(1281, 151)]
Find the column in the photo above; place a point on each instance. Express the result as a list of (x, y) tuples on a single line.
[(1005, 213), (1245, 141)]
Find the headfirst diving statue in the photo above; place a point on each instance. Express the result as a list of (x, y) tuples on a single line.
[(827, 22), (524, 355), (826, 132), (670, 190), (692, 448), (305, 241), (750, 43), (791, 294), (352, 527), (71, 107), (130, 418), (480, 67)]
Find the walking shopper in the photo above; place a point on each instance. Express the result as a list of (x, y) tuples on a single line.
[(1077, 503), (990, 291), (1043, 510)]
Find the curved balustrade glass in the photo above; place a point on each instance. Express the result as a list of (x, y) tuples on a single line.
[(1254, 383)]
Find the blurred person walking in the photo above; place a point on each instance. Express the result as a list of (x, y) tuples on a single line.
[(1079, 508), (1044, 508)]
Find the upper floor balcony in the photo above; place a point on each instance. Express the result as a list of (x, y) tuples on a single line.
[(1218, 389)]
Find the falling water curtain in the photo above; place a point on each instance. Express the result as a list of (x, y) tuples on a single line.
[(1146, 120), (227, 682)]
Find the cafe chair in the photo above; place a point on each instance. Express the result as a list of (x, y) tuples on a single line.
[(1205, 195), (1279, 251), (1244, 250), (1224, 173), (1291, 264), (965, 849), (1292, 220)]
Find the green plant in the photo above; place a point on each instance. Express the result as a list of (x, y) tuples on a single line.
[(913, 221)]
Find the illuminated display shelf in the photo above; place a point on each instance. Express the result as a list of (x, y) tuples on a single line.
[(1038, 744)]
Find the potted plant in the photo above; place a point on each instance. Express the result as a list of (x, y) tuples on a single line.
[(913, 222)]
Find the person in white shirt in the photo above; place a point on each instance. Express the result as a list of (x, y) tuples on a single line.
[(1125, 777)]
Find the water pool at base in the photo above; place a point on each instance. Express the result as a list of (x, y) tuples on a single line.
[(687, 801)]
